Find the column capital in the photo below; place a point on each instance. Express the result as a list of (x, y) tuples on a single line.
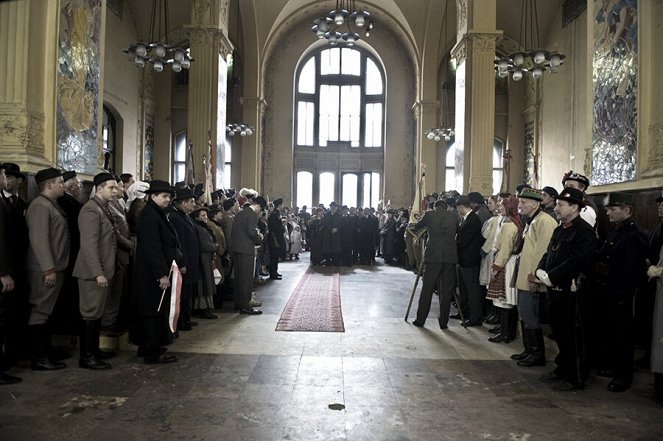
[(475, 43), (422, 107), (206, 36)]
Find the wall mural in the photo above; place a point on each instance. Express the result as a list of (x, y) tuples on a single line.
[(615, 64), (148, 164), (78, 85)]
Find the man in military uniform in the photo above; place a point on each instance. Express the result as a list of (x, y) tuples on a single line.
[(620, 266), (47, 259), (569, 255), (275, 240), (580, 182)]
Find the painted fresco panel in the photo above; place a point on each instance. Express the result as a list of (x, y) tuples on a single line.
[(78, 85), (615, 68)]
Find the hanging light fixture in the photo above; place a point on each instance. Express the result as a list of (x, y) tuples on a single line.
[(535, 61), (240, 129), (346, 13), (159, 53), (446, 129)]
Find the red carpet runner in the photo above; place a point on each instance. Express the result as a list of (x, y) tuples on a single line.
[(315, 304)]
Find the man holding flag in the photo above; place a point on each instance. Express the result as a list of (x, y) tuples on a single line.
[(157, 248)]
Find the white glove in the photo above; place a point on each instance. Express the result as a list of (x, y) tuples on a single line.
[(543, 276), (654, 271)]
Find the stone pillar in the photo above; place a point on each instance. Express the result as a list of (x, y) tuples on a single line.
[(425, 112), (28, 30), (475, 94), (253, 111)]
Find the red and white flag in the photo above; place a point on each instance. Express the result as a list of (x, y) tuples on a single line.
[(175, 290)]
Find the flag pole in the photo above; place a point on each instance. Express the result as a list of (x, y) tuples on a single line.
[(163, 294)]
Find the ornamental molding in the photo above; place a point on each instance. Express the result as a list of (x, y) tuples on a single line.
[(22, 129), (461, 14), (655, 154), (201, 10)]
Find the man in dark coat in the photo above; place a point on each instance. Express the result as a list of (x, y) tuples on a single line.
[(387, 237), (348, 225), (316, 236), (365, 236), (183, 204), (275, 240), (6, 285), (568, 258), (156, 248), (469, 241), (332, 237), (621, 265), (243, 248), (440, 259)]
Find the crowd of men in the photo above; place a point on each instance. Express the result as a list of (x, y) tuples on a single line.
[(106, 263), (538, 255)]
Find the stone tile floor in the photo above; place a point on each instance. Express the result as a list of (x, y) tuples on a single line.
[(383, 379)]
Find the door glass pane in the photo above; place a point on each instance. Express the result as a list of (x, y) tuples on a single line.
[(366, 200), (375, 189), (350, 62), (373, 78), (226, 175), (350, 114), (179, 172), (497, 181), (228, 156), (374, 125), (329, 113), (349, 197), (450, 179), (180, 147), (304, 123), (330, 61), (307, 77), (327, 183), (304, 189)]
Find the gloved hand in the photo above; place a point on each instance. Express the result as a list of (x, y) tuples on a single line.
[(654, 271), (543, 277)]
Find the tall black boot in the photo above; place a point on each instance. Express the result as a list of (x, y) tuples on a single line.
[(504, 336), (40, 344), (87, 359), (538, 354), (5, 364), (513, 323), (98, 353), (658, 386), (526, 344)]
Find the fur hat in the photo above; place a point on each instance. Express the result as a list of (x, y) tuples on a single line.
[(248, 193)]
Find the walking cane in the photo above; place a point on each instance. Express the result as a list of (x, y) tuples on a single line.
[(416, 281)]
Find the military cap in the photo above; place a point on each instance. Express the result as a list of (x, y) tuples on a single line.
[(659, 200), (572, 176), (620, 199), (572, 196), (45, 174), (101, 178), (69, 175)]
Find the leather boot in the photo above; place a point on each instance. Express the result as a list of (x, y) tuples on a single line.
[(40, 343), (98, 353), (505, 335), (526, 344), (87, 358), (538, 355)]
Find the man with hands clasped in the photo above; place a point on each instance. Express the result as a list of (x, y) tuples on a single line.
[(568, 257)]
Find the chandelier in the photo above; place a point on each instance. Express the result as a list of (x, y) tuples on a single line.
[(446, 129), (239, 128), (157, 52), (346, 13), (537, 60)]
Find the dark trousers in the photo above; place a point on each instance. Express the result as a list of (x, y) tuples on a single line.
[(243, 281), (274, 256), (153, 333), (567, 327), (186, 294), (445, 274), (471, 301)]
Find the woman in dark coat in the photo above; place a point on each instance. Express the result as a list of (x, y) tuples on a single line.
[(203, 303), (156, 248), (387, 237), (316, 234)]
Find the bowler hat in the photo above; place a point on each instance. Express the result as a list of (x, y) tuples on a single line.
[(550, 191), (619, 199), (229, 203), (199, 208), (530, 193), (45, 174), (475, 197), (572, 196), (464, 201), (183, 193), (572, 176), (260, 200), (101, 178), (157, 186), (68, 175), (12, 169)]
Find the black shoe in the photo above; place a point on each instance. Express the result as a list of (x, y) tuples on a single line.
[(275, 277), (141, 352), (44, 364), (250, 311), (501, 338), (492, 320), (563, 385), (455, 316), (418, 324), (469, 323), (523, 355), (93, 363), (105, 355), (532, 360), (8, 379), (618, 385), (208, 315), (496, 330), (161, 359), (185, 327)]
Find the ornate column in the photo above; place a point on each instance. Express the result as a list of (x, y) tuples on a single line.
[(425, 112), (253, 110), (475, 94)]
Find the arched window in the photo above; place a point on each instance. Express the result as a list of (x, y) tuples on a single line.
[(339, 108), (452, 182)]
